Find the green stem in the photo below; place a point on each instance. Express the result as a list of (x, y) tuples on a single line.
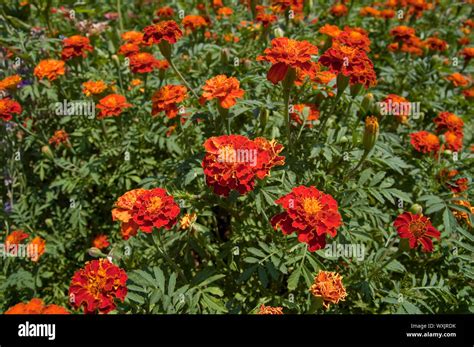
[(119, 10), (162, 249), (182, 78), (287, 85)]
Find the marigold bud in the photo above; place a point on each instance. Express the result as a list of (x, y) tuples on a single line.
[(95, 252), (416, 209), (342, 83), (278, 32), (371, 132), (47, 151)]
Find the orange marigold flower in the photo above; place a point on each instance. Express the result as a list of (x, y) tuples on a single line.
[(129, 49), (339, 10), (194, 22), (286, 53), (123, 212), (311, 214), (469, 93), (330, 30), (10, 82), (225, 11), (93, 87), (462, 215), (112, 105), (328, 286), (60, 136), (187, 220), (165, 12), (448, 121), (468, 53), (225, 89), (133, 37), (101, 241), (143, 62), (435, 44), (162, 64), (351, 62), (233, 162), (453, 140), (167, 30), (154, 208), (402, 32), (354, 38), (387, 14), (312, 114), (166, 99), (417, 229), (397, 106), (36, 306), (36, 248), (451, 179), (75, 46), (266, 18), (96, 286), (323, 77), (270, 310), (425, 142), (458, 80), (8, 107), (369, 11), (15, 237), (50, 69)]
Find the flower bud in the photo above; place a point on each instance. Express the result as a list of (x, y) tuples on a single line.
[(342, 83), (95, 252), (416, 209), (225, 56), (165, 49), (47, 151), (264, 117), (48, 222), (367, 102), (371, 132), (278, 32)]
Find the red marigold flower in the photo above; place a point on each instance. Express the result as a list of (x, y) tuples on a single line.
[(101, 241), (15, 237), (387, 14), (155, 209), (402, 32), (129, 49), (339, 10), (225, 89), (96, 286), (286, 53), (193, 22), (469, 93), (123, 212), (166, 30), (425, 142), (266, 18), (133, 37), (8, 107), (417, 229), (350, 62), (35, 249), (448, 121), (93, 87), (298, 115), (112, 105), (270, 310), (10, 82), (328, 286), (143, 62), (232, 162), (50, 69), (453, 140), (468, 53), (279, 6), (60, 136), (458, 80), (165, 12), (451, 180), (435, 44), (75, 46), (311, 214), (36, 306), (167, 98)]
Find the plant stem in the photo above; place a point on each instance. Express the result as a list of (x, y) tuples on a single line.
[(287, 85), (162, 249), (182, 78)]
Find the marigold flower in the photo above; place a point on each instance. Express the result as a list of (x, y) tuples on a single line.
[(129, 49), (369, 12), (8, 107), (166, 99), (155, 209), (458, 80), (15, 237), (417, 229), (298, 115), (50, 69), (371, 132), (133, 37), (187, 220), (143, 62), (387, 13), (350, 62), (10, 82), (194, 22), (330, 30), (354, 38), (225, 11), (123, 212), (425, 142), (448, 121), (233, 162), (59, 137), (339, 10), (435, 44), (93, 87), (225, 89), (165, 12), (96, 286), (469, 93), (453, 140), (323, 77), (270, 310), (75, 46), (451, 179), (462, 215), (101, 241), (286, 53), (35, 248), (167, 30), (311, 214), (468, 53), (329, 287), (266, 18), (36, 306), (402, 32), (112, 105), (398, 106)]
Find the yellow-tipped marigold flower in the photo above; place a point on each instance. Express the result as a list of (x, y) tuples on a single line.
[(328, 286), (187, 220), (50, 69), (270, 310), (10, 82)]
